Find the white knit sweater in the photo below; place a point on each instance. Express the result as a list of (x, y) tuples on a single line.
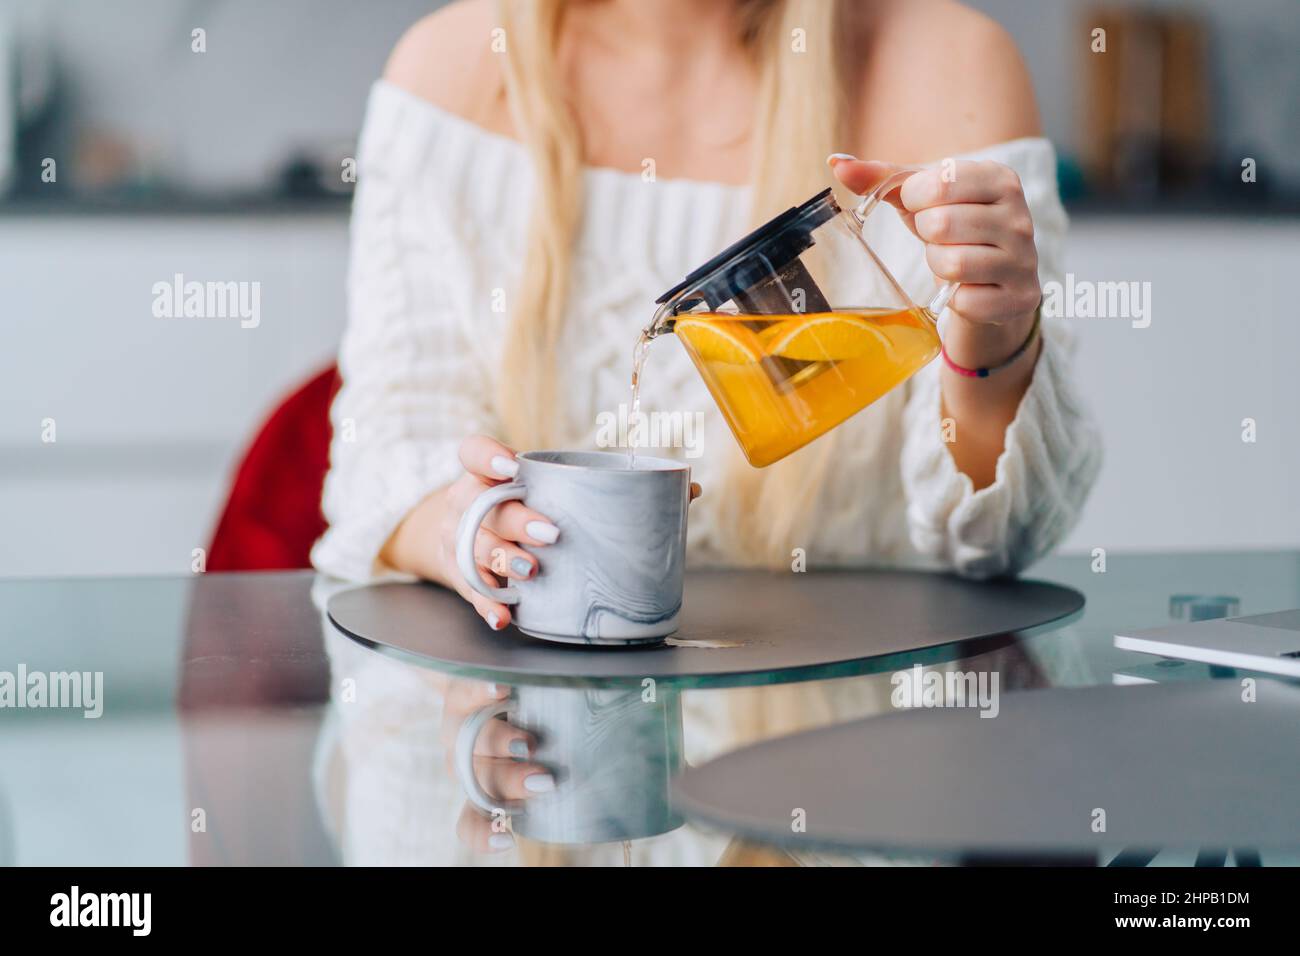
[(437, 241)]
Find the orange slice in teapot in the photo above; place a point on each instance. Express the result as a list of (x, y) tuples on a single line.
[(827, 337), (719, 340)]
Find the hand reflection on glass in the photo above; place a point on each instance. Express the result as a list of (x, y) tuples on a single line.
[(501, 763)]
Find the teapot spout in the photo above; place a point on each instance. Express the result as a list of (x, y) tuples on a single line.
[(664, 320)]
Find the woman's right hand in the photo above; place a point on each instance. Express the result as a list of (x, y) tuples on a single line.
[(424, 544)]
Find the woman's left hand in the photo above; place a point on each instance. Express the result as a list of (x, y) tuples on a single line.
[(975, 223)]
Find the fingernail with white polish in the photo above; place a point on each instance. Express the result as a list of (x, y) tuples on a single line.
[(521, 567), (834, 158), (542, 531), (494, 622), (539, 783), (519, 747), (501, 841), (503, 466)]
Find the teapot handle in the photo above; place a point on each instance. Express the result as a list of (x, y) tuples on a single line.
[(872, 199)]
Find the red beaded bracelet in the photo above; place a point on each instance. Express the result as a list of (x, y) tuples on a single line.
[(986, 372)]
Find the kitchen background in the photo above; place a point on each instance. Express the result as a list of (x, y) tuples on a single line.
[(224, 165)]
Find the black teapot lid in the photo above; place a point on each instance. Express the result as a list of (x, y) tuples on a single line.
[(753, 259)]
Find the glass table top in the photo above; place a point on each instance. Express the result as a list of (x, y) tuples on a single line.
[(220, 719)]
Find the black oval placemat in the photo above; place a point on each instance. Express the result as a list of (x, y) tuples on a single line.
[(740, 627), (1175, 766)]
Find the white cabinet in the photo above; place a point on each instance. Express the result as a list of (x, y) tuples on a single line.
[(1222, 347), (149, 413)]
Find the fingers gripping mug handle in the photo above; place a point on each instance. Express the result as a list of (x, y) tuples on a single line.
[(467, 534), (466, 737), (872, 199)]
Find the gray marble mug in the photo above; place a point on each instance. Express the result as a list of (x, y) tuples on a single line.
[(614, 576), (613, 751)]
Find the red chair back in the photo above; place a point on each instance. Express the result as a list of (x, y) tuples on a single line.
[(272, 515)]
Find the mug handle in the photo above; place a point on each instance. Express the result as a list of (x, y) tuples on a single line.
[(467, 532), (466, 737), (872, 199)]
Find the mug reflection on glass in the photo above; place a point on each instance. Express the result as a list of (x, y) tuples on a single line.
[(612, 751)]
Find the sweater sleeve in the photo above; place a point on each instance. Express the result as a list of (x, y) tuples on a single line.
[(1052, 450), (411, 391)]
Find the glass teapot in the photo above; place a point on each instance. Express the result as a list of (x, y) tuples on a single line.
[(799, 325)]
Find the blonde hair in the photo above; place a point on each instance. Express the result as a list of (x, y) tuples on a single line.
[(800, 118)]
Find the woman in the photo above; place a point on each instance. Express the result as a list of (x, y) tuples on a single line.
[(533, 174)]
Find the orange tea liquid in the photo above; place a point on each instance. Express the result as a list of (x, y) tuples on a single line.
[(783, 380)]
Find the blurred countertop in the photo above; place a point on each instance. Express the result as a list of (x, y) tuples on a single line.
[(255, 204)]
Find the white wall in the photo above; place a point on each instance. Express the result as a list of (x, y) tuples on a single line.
[(151, 413), (295, 72), (276, 77), (1221, 347)]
